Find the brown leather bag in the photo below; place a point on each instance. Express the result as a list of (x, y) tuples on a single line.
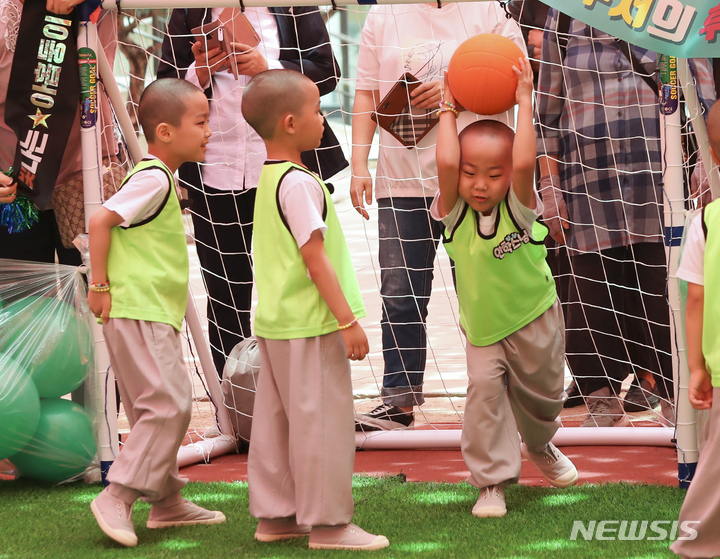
[(406, 123)]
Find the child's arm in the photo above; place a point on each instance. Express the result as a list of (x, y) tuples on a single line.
[(323, 275), (99, 239), (447, 154), (701, 390), (524, 145)]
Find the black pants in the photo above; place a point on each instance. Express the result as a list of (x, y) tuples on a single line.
[(618, 317), (39, 243), (223, 238)]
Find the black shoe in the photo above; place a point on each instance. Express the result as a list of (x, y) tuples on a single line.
[(641, 398), (574, 398), (383, 418)]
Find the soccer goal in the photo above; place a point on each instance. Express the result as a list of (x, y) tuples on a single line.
[(681, 140)]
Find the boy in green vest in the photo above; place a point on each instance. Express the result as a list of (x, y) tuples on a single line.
[(140, 269), (302, 444), (508, 306), (700, 267)]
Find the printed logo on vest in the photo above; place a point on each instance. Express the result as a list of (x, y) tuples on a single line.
[(511, 243)]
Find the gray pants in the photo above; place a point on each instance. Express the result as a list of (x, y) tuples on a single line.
[(302, 444), (515, 384), (701, 507), (156, 393)]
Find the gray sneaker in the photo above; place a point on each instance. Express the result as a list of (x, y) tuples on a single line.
[(491, 503), (604, 410), (556, 468)]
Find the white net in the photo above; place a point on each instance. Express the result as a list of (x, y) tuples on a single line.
[(627, 334)]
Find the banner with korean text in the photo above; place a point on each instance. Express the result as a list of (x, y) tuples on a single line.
[(683, 28)]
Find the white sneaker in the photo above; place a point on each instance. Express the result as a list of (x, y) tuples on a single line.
[(555, 467), (491, 503)]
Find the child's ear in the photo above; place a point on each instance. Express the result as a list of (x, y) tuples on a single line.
[(163, 132), (288, 123), (715, 159)]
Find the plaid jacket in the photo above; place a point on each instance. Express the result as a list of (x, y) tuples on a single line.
[(601, 121)]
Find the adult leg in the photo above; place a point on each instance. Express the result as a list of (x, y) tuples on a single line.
[(647, 321), (408, 239), (595, 348), (223, 239), (36, 244)]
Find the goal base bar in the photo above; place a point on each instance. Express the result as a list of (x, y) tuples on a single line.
[(426, 439)]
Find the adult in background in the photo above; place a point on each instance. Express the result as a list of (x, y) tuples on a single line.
[(420, 39), (50, 239), (599, 133), (222, 189)]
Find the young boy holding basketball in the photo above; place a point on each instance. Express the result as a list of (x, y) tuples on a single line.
[(700, 267), (508, 306), (140, 268), (302, 445)]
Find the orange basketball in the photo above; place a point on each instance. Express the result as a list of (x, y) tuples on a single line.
[(481, 76)]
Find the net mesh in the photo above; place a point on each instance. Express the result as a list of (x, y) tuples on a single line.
[(445, 381)]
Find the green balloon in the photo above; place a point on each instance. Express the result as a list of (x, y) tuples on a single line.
[(19, 407), (50, 340), (63, 444)]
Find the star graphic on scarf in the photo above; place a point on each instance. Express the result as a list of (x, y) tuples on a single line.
[(39, 118)]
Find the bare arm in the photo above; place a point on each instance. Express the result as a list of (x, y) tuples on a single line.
[(99, 238), (447, 154), (325, 279), (700, 391), (363, 129), (525, 145)]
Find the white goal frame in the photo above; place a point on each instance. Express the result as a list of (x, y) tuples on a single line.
[(683, 436)]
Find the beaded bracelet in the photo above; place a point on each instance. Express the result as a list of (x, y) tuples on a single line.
[(350, 324), (446, 106), (99, 287)]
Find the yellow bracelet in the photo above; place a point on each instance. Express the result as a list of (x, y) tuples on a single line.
[(99, 287), (350, 324), (448, 109)]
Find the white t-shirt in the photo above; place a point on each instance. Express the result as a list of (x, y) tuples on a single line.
[(524, 216), (420, 39), (236, 153), (302, 200), (140, 197), (692, 265)]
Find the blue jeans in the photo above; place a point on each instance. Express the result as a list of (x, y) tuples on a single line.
[(408, 241)]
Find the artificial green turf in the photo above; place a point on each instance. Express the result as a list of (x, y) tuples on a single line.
[(420, 519)]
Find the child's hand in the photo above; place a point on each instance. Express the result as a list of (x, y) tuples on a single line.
[(448, 96), (356, 342), (700, 390), (525, 81), (100, 303)]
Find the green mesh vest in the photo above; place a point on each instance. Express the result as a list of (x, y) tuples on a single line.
[(148, 265), (289, 305), (503, 281), (711, 305)]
